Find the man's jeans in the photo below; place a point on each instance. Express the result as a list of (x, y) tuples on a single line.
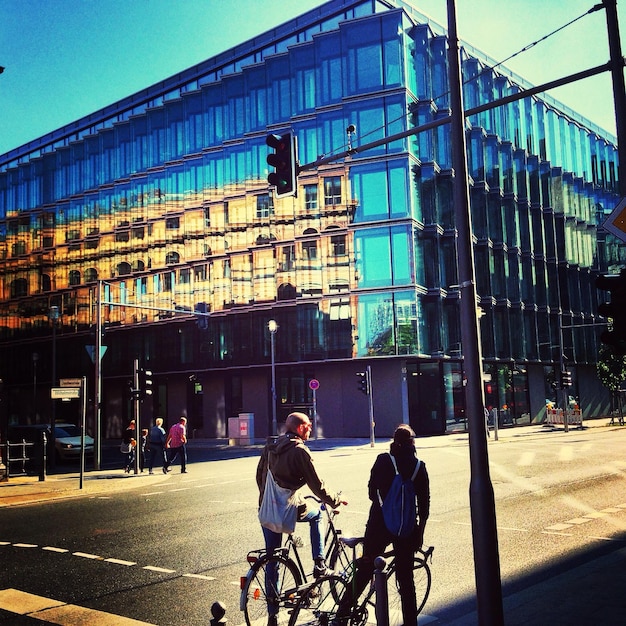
[(273, 541)]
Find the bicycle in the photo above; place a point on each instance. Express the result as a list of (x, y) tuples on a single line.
[(277, 579), (319, 602)]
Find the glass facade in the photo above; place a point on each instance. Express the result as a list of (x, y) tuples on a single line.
[(162, 201)]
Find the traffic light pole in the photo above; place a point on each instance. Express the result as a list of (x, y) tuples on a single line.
[(136, 412), (482, 500), (370, 395)]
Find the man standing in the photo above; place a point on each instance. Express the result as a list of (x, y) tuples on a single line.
[(292, 466), (156, 442), (176, 442)]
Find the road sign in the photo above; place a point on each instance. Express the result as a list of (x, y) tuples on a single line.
[(616, 222), (64, 393), (70, 382), (91, 351), (314, 384)]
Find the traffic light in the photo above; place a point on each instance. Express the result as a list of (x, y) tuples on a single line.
[(363, 385), (566, 379), (284, 160), (615, 310), (145, 383)]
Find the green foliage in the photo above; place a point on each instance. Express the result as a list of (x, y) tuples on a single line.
[(611, 368)]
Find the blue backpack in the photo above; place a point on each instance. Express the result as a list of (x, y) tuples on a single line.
[(399, 509)]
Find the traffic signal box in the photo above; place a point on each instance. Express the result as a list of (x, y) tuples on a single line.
[(284, 161), (362, 386), (145, 383), (566, 379), (615, 310)]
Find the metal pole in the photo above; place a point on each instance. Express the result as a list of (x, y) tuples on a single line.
[(136, 411), (314, 414), (482, 502), (382, 597), (83, 399), (97, 453), (619, 88), (53, 314), (370, 395), (273, 327)]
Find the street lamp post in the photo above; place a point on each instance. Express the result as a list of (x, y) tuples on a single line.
[(273, 327), (35, 359), (53, 316)]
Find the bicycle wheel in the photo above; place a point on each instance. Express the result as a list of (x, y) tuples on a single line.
[(270, 589), (319, 602), (422, 581)]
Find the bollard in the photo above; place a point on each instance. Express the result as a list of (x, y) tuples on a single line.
[(382, 598), (218, 610), (42, 469)]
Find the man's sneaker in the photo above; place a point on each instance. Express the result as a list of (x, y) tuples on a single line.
[(272, 620), (321, 569)]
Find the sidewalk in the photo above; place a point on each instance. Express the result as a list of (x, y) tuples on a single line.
[(586, 591)]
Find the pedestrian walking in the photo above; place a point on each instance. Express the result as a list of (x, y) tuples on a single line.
[(156, 443), (143, 443), (176, 443), (128, 446)]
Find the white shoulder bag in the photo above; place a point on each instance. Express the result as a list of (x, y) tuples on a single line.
[(279, 507)]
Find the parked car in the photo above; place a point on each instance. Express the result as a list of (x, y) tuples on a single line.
[(66, 438)]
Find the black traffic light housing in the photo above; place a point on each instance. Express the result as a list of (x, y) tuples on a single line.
[(145, 383), (615, 310), (566, 379), (284, 161), (363, 385)]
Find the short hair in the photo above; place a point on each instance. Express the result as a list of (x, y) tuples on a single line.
[(158, 421), (296, 419), (183, 419)]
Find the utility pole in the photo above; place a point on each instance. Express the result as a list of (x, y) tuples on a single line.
[(482, 501), (619, 89)]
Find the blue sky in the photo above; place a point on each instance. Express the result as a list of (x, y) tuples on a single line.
[(67, 58)]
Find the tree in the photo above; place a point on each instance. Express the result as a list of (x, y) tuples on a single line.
[(611, 370)]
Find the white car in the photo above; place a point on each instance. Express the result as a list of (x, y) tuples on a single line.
[(67, 441)]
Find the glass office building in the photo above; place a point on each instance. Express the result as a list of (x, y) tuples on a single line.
[(140, 215)]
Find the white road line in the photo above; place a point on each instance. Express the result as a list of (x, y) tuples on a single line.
[(604, 538), (120, 562), (594, 514), (163, 570), (5, 543), (611, 509), (25, 545), (558, 527), (53, 549), (86, 555), (547, 532), (201, 576), (516, 530), (578, 520)]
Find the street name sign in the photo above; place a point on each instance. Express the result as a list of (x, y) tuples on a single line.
[(65, 393), (70, 382)]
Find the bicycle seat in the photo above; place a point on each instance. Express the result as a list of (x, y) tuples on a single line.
[(351, 542)]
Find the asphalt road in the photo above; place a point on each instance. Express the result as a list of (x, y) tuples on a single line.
[(164, 551)]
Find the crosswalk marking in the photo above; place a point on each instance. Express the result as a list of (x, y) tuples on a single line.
[(57, 612)]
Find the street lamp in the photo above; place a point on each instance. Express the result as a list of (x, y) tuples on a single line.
[(53, 316), (273, 327)]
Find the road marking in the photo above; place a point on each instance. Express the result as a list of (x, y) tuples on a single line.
[(120, 562), (612, 509), (163, 570), (604, 538), (201, 576), (594, 514), (53, 549), (86, 555), (547, 532), (55, 612), (558, 527), (578, 520), (25, 545)]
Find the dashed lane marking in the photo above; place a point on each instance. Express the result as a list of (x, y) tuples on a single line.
[(55, 612), (558, 527), (120, 562), (53, 549), (578, 520), (86, 555), (162, 570), (200, 576)]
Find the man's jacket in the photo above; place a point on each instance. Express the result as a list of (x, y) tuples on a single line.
[(292, 467)]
